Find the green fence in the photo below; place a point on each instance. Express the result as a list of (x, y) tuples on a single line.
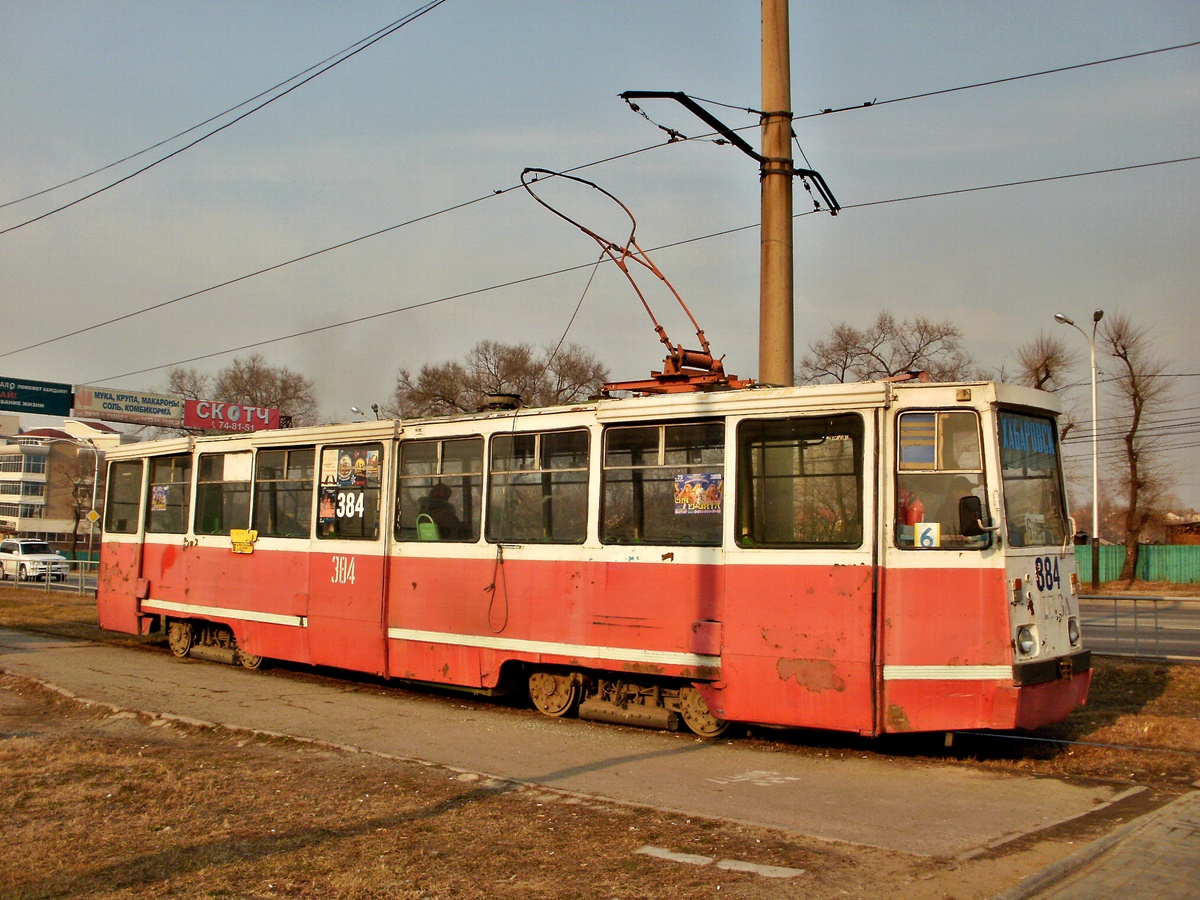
[(81, 554), (1176, 563)]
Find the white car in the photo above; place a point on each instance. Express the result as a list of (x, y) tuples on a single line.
[(25, 559)]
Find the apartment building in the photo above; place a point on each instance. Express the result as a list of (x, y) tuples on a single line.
[(49, 476)]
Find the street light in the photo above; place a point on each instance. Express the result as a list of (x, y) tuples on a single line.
[(1096, 317)]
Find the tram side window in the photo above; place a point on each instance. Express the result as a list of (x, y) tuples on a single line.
[(223, 492), (283, 492), (537, 488), (439, 487), (351, 487), (939, 463), (124, 497), (800, 482), (664, 484), (170, 496)]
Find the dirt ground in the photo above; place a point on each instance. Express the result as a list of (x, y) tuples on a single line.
[(100, 803)]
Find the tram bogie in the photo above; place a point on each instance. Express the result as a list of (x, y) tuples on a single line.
[(206, 640)]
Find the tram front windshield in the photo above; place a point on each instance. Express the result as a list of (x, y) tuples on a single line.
[(1034, 508)]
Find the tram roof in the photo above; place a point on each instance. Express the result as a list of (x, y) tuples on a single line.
[(760, 400)]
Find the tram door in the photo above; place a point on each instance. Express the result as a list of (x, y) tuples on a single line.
[(798, 629), (945, 605), (168, 517), (121, 548), (345, 613)]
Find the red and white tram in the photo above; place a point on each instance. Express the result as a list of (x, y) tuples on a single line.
[(871, 558)]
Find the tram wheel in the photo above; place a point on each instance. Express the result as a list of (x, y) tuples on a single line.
[(249, 660), (697, 716), (554, 695), (180, 637)]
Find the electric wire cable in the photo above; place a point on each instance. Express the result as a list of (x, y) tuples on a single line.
[(871, 104), (432, 4), (198, 125), (1027, 181), (995, 81), (606, 160), (356, 321), (527, 279)]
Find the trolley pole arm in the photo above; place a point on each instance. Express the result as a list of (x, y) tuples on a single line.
[(730, 135), (700, 113)]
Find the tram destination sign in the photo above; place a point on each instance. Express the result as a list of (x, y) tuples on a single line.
[(44, 398), (120, 405)]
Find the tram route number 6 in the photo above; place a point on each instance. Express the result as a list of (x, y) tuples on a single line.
[(343, 570), (1045, 573)]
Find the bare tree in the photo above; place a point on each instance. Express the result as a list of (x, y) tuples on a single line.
[(1044, 361), (250, 381), (573, 374), (77, 477), (887, 348), (1141, 392), (540, 378), (189, 384)]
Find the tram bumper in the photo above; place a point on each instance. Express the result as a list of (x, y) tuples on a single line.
[(1062, 667), (1049, 690)]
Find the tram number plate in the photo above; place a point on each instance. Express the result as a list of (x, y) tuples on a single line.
[(343, 570), (1045, 574)]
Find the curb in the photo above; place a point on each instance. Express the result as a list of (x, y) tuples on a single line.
[(1032, 885)]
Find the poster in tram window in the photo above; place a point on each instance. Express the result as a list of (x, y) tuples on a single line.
[(918, 436), (348, 503), (698, 493)]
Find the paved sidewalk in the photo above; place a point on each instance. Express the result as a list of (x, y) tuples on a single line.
[(936, 811), (1156, 857)]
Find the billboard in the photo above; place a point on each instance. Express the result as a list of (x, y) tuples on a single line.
[(212, 415), (120, 405), (43, 398)]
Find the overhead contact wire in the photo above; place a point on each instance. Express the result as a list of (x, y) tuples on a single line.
[(598, 162), (410, 18), (195, 127), (574, 268)]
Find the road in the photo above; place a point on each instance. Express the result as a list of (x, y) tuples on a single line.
[(1142, 626), (892, 804)]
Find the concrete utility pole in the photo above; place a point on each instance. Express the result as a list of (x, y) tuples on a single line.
[(776, 331)]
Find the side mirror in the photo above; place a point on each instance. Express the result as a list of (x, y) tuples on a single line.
[(970, 516)]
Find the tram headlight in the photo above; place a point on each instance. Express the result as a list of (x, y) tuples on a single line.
[(1073, 630), (1026, 640)]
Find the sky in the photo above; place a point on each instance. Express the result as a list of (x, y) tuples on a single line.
[(422, 137)]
